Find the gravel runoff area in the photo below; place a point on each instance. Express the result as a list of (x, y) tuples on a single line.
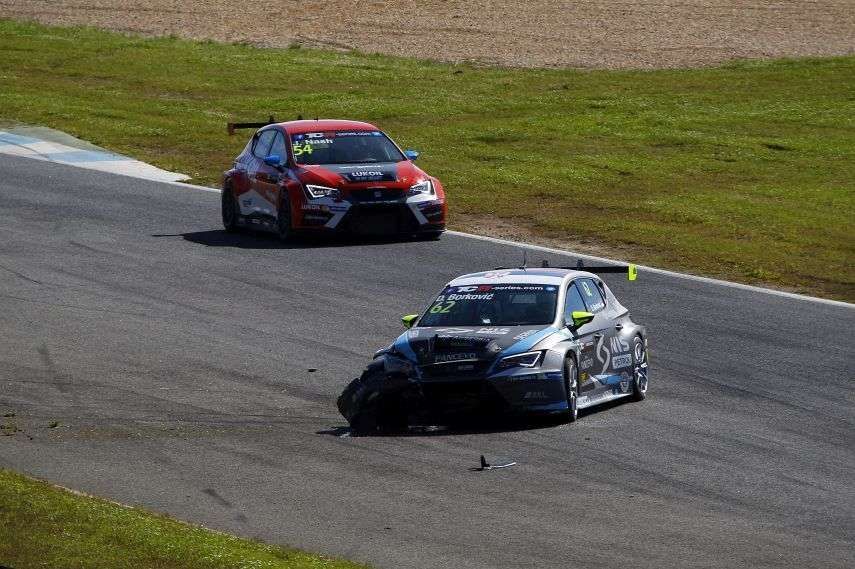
[(536, 33)]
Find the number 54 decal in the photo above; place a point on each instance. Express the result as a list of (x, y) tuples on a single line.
[(300, 149)]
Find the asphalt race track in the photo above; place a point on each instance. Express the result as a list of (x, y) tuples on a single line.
[(178, 362)]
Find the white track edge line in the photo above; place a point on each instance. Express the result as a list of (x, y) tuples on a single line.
[(191, 186), (656, 270), (685, 276)]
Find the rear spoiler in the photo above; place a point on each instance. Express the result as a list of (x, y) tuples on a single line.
[(233, 126), (631, 270)]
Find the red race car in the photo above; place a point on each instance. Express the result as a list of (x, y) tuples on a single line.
[(329, 175)]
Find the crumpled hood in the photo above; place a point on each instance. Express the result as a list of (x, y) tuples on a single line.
[(437, 345), (395, 174)]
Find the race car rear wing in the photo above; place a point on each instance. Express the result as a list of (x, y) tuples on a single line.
[(233, 126), (631, 270)]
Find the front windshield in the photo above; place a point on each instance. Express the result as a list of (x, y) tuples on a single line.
[(344, 147), (496, 305)]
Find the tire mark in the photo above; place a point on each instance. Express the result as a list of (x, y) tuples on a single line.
[(225, 503), (19, 275), (217, 498), (59, 380), (74, 306)]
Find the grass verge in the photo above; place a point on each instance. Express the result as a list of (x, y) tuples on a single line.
[(744, 172), (45, 526)]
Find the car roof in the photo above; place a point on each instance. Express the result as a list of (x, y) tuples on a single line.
[(320, 125), (519, 276)]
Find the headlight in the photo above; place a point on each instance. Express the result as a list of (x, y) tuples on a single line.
[(383, 351), (528, 359), (425, 187), (321, 192), (394, 364)]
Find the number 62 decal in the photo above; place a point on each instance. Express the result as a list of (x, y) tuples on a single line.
[(442, 307)]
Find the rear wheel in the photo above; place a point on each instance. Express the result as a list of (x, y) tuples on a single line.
[(571, 387), (429, 236), (229, 210), (283, 222), (639, 369)]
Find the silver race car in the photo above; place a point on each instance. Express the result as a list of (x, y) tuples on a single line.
[(505, 342)]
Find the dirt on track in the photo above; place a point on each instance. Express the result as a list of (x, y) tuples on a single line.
[(537, 33)]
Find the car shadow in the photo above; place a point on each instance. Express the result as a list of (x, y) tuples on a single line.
[(604, 407), (253, 240), (478, 426), (453, 429)]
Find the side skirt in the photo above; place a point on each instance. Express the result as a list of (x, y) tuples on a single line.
[(257, 221), (584, 401)]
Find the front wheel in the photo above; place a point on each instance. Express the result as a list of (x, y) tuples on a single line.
[(571, 386), (391, 416), (283, 221), (639, 369)]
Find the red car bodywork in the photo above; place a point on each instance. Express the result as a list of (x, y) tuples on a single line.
[(370, 198)]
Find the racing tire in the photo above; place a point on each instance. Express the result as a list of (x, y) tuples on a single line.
[(229, 209), (283, 221), (391, 418), (362, 426), (639, 369), (386, 419), (571, 388), (429, 236)]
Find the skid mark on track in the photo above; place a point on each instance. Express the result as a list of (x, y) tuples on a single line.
[(158, 301), (19, 275), (58, 379), (217, 498), (225, 503), (61, 381), (108, 252), (249, 457), (73, 306)]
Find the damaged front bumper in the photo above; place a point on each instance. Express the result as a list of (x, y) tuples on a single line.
[(388, 391)]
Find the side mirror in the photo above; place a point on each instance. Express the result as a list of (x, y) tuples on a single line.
[(580, 318), (411, 154), (274, 160), (409, 320)]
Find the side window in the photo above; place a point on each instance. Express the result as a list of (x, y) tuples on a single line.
[(591, 295), (278, 147), (262, 144), (573, 303)]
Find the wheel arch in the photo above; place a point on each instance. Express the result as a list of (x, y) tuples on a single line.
[(291, 192), (571, 352), (228, 179), (631, 329)]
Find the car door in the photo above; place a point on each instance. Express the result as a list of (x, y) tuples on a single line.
[(603, 335), (619, 346), (611, 350), (585, 335), (260, 201), (268, 180)]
